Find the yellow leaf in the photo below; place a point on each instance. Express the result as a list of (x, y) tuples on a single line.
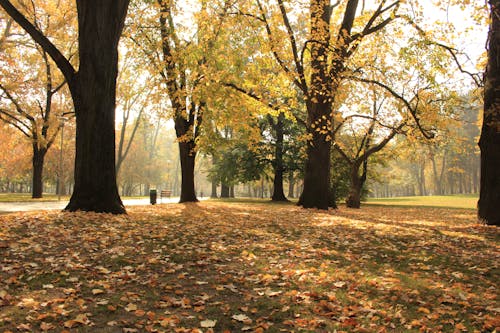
[(208, 323), (130, 307), (424, 310)]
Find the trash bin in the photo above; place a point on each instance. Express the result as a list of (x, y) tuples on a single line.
[(152, 197)]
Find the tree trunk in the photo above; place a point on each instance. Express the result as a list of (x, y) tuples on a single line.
[(37, 162), (354, 198), (214, 183), (323, 86), (291, 184), (317, 174), (100, 24), (213, 195), (420, 173), (187, 156), (489, 142), (438, 188), (278, 192), (224, 191), (357, 183)]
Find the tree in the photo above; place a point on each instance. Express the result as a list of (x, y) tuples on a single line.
[(27, 97), (181, 64), (317, 65), (489, 142), (93, 90), (362, 147), (278, 163), (14, 162)]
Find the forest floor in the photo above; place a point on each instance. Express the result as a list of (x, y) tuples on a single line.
[(253, 267)]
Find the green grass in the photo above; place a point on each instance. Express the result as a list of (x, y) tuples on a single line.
[(26, 197), (465, 201)]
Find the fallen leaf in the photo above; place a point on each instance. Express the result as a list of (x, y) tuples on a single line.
[(208, 323)]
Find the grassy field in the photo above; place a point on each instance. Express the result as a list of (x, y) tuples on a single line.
[(26, 197), (232, 267), (466, 201)]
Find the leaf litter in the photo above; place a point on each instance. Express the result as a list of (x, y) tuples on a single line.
[(232, 267)]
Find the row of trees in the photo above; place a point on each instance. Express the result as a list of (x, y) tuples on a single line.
[(237, 65)]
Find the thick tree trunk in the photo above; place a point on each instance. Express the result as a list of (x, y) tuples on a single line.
[(316, 192), (224, 191), (323, 86), (489, 142), (37, 177), (100, 24), (187, 157), (278, 191)]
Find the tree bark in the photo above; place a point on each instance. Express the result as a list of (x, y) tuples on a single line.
[(224, 191), (319, 111), (489, 142), (291, 184), (278, 192), (37, 177), (213, 195), (187, 157), (214, 183), (100, 23), (357, 183), (317, 174)]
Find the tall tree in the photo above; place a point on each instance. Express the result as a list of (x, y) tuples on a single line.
[(317, 65), (489, 142), (181, 66), (93, 89), (27, 96)]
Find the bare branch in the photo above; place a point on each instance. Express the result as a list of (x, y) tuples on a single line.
[(413, 110), (476, 77)]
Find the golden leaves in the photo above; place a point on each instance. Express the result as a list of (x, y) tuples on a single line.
[(215, 268)]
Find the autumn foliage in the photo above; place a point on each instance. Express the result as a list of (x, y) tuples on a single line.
[(231, 267)]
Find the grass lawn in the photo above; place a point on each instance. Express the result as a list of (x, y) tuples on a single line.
[(26, 197), (233, 266), (467, 201)]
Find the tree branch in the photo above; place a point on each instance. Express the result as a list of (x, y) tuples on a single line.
[(10, 119), (298, 61), (476, 77), (260, 100), (19, 109), (413, 111), (64, 65), (275, 53)]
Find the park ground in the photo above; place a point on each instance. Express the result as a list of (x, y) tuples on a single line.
[(249, 266)]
